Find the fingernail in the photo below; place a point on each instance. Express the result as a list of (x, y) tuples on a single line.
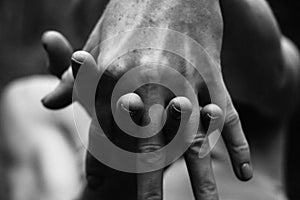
[(208, 115), (175, 111), (246, 171), (208, 118), (75, 66), (131, 112)]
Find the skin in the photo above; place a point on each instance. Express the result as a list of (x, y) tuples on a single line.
[(275, 95), (276, 74), (263, 134), (203, 185), (97, 173), (258, 33)]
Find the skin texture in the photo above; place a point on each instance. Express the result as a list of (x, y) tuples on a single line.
[(275, 89), (277, 57), (237, 14), (161, 14), (204, 24), (241, 28), (201, 20)]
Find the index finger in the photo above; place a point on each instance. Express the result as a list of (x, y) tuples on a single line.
[(199, 167), (237, 144), (150, 184), (59, 52)]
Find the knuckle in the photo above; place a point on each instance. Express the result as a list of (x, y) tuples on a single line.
[(239, 148), (207, 188), (149, 148), (154, 157), (198, 144), (200, 138), (153, 196), (232, 118)]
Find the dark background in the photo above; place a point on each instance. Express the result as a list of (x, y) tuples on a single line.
[(22, 23)]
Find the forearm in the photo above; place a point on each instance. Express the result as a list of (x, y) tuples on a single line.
[(292, 150)]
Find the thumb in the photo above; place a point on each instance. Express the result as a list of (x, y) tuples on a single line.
[(59, 52), (61, 96)]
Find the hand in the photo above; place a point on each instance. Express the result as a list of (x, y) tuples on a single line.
[(59, 52), (200, 169)]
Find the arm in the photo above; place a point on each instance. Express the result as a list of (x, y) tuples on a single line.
[(261, 67), (292, 151), (255, 58)]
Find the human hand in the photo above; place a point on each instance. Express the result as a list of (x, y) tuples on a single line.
[(200, 169)]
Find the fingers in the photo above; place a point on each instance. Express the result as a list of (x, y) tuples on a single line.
[(179, 108), (200, 172), (131, 103), (59, 52), (211, 117), (237, 144), (103, 180), (86, 84), (150, 185), (77, 60), (61, 96), (198, 158), (129, 111)]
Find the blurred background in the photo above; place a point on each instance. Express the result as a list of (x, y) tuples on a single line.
[(22, 23)]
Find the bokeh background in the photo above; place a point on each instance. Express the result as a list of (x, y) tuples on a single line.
[(22, 23)]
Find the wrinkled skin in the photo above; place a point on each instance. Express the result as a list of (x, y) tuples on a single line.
[(203, 24)]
